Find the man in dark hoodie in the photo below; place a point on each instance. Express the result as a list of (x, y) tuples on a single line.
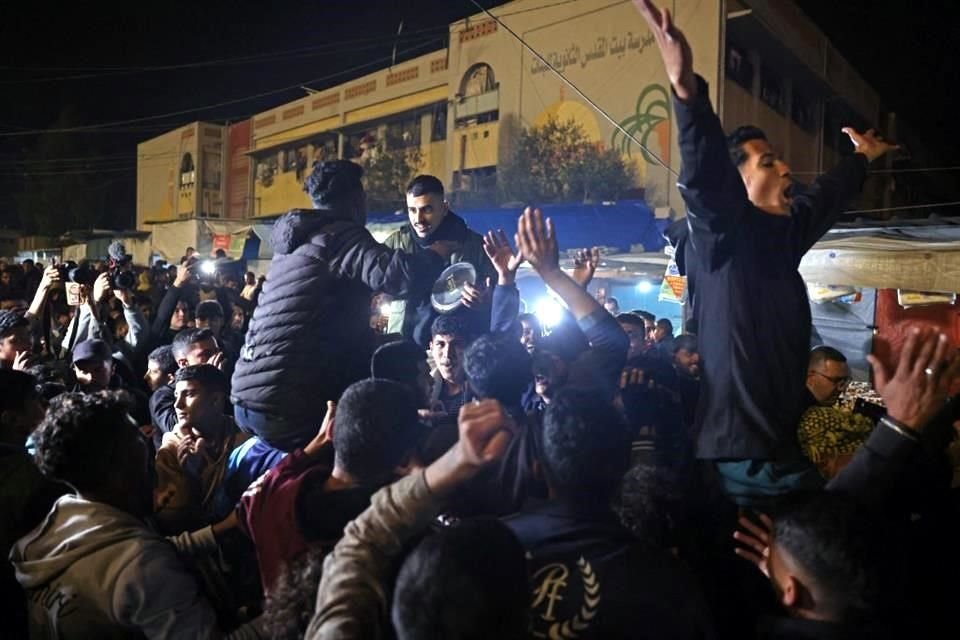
[(747, 228), (309, 337), (431, 220)]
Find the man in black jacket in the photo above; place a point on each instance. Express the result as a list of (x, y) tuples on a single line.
[(309, 337), (748, 226)]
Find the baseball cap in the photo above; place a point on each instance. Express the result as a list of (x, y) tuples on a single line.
[(91, 350)]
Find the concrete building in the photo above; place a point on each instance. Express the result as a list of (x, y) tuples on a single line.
[(462, 107)]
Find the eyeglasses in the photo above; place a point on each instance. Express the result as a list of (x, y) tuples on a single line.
[(840, 383)]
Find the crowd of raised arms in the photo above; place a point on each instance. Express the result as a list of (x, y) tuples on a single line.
[(197, 454)]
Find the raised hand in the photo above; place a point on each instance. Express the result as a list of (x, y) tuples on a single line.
[(101, 287), (51, 276), (674, 48), (869, 143), (585, 264), (537, 241), (475, 296), (504, 260), (919, 387), (325, 434), (756, 542)]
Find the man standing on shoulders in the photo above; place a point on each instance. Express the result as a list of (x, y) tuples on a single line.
[(748, 227), (431, 220)]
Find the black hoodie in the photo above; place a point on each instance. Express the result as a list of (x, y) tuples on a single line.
[(310, 337)]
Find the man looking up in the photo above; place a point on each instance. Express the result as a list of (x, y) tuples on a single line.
[(748, 226)]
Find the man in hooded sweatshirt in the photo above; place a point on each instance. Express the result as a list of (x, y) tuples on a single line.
[(309, 338), (431, 220), (94, 568)]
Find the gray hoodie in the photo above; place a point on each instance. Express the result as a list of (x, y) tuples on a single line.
[(91, 570)]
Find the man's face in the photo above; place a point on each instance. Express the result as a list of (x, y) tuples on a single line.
[(529, 336), (155, 377), (214, 323), (447, 352), (637, 336), (201, 352), (93, 373), (660, 333), (766, 177), (147, 310), (197, 407), (688, 362), (238, 318), (827, 381), (180, 317), (650, 329), (5, 278), (426, 212), (16, 340)]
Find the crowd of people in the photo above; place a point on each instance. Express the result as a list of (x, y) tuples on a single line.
[(200, 456)]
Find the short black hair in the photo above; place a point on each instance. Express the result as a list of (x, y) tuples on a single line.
[(685, 341), (819, 355), (465, 582), (631, 317), (651, 505), (333, 182), (209, 376), (397, 361), (289, 604), (498, 368), (579, 429), (375, 427), (423, 185), (646, 315), (208, 309), (76, 441), (451, 324), (738, 137), (183, 340), (163, 356), (612, 300), (664, 323), (532, 320), (833, 540)]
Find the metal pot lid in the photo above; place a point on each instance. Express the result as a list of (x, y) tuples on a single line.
[(447, 290)]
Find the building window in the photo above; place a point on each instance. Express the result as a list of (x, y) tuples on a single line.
[(739, 68), (211, 171), (360, 145), (803, 110), (403, 132), (267, 169), (188, 174), (478, 79), (771, 91), (438, 122)]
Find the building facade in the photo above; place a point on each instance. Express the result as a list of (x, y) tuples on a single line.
[(461, 108)]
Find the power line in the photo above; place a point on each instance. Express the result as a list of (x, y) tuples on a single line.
[(263, 94), (304, 52), (906, 207), (889, 171), (577, 89)]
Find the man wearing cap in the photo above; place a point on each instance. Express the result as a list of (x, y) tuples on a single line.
[(95, 370), (309, 337), (430, 220)]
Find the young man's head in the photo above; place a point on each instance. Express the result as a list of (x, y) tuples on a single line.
[(636, 329), (335, 184), (405, 362), (663, 330), (426, 206), (209, 315), (450, 338), (194, 346), (822, 563), (161, 367), (828, 375), (531, 331), (200, 393), (93, 365), (375, 430), (21, 406), (686, 355), (580, 429), (14, 337), (90, 442), (764, 174), (249, 278), (498, 368), (550, 374), (467, 581), (181, 316), (612, 305)]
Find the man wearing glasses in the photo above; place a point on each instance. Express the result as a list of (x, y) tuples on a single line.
[(828, 375)]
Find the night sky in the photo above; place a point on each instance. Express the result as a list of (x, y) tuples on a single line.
[(75, 66)]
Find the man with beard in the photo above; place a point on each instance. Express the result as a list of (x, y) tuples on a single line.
[(431, 220)]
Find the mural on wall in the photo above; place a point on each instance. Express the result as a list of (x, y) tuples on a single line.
[(651, 116)]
